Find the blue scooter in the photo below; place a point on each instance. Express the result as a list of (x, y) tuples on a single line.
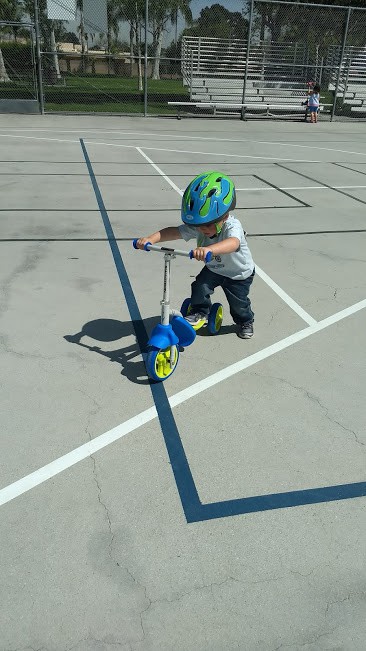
[(173, 332)]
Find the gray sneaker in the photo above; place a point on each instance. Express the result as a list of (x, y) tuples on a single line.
[(245, 330), (197, 319)]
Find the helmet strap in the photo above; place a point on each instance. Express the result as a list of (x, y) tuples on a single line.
[(218, 228)]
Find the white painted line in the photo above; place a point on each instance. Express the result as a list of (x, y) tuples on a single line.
[(178, 136), (285, 297), (310, 187), (347, 187), (62, 463), (307, 187), (280, 292), (8, 135), (36, 478), (237, 367), (167, 179), (215, 153), (177, 151)]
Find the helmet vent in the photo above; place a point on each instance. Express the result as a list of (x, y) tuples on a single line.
[(219, 179), (211, 192), (191, 204)]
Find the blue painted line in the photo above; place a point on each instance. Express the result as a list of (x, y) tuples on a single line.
[(181, 470), (193, 509), (280, 501)]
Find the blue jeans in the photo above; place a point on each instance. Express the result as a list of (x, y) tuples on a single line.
[(236, 292)]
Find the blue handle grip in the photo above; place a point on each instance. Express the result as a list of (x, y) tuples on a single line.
[(208, 256), (134, 243)]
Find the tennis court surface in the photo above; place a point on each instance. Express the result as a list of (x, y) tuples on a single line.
[(224, 508)]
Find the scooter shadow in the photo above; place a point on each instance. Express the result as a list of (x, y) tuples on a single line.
[(224, 330), (107, 330)]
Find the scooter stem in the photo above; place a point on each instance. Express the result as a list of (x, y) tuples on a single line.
[(165, 303)]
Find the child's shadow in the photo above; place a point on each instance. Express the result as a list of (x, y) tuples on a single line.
[(106, 330)]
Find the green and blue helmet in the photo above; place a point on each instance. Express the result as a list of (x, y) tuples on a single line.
[(208, 198)]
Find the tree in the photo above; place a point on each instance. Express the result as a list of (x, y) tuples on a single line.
[(218, 22), (4, 77), (161, 13), (132, 13), (81, 28), (306, 24), (10, 10), (70, 37), (115, 13), (52, 31)]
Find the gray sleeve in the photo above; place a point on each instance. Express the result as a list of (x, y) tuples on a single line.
[(234, 229), (187, 232)]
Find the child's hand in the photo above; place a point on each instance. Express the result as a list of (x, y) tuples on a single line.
[(141, 242), (201, 252)]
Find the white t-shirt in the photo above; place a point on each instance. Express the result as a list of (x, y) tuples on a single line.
[(314, 99), (237, 265)]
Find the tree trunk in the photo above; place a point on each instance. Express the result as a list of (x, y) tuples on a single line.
[(138, 47), (55, 57), (132, 36), (83, 42), (4, 77), (157, 53), (263, 26)]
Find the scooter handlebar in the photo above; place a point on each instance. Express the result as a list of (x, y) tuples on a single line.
[(208, 256), (151, 247)]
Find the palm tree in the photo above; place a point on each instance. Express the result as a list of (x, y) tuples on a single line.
[(131, 13), (139, 19), (9, 10), (161, 12), (81, 28), (115, 13), (4, 77), (51, 32)]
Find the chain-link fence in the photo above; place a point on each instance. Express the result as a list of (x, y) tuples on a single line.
[(18, 87), (153, 57)]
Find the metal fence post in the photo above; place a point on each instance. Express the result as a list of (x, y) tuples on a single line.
[(251, 16), (38, 58), (340, 62), (145, 59)]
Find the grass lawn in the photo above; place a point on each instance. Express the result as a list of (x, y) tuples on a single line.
[(88, 93), (124, 84), (111, 107)]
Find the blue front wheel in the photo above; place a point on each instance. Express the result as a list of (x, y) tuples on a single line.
[(161, 363)]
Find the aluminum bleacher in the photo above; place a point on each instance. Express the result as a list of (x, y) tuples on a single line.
[(352, 87), (214, 70), (276, 76)]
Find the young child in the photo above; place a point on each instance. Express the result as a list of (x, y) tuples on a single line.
[(313, 103), (206, 217)]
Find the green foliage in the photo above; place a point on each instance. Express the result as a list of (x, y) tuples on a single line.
[(11, 10), (334, 3), (309, 25), (17, 57), (217, 21), (70, 37)]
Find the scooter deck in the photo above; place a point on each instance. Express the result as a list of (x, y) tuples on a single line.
[(199, 325)]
